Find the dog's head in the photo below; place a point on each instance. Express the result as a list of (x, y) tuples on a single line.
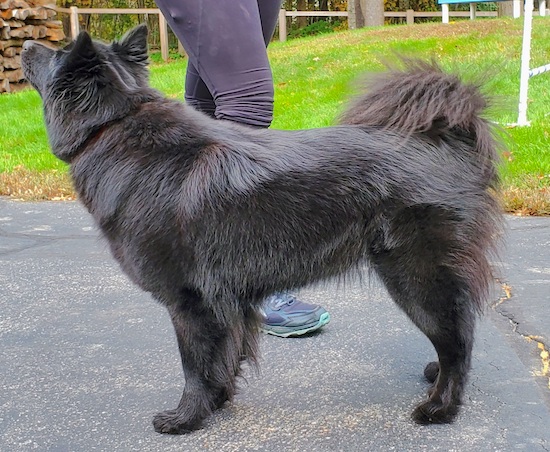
[(86, 65), (87, 83)]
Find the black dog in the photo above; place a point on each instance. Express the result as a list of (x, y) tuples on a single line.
[(211, 216)]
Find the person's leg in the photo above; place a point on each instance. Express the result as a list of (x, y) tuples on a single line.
[(269, 15), (226, 46), (197, 93)]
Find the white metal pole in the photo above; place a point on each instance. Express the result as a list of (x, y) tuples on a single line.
[(525, 61), (516, 8), (445, 13)]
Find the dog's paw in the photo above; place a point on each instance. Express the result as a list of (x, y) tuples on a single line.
[(172, 422), (434, 412), (431, 371)]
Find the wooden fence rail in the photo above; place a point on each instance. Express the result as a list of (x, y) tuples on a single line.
[(409, 15)]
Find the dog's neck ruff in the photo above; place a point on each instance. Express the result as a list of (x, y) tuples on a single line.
[(93, 137), (90, 140), (96, 133)]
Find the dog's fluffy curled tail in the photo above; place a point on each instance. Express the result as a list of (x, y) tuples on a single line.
[(421, 98)]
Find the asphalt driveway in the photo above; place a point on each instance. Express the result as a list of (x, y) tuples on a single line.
[(86, 359)]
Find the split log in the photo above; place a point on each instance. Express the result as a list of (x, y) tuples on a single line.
[(46, 23), (4, 86), (10, 43), (13, 4), (39, 13), (44, 3), (39, 31), (13, 62), (22, 32), (10, 52), (55, 34), (14, 76), (14, 23)]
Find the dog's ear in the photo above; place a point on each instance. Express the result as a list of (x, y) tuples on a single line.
[(83, 56), (133, 45)]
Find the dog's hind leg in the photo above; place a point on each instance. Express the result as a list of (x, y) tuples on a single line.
[(211, 354), (451, 331), (439, 300), (438, 304)]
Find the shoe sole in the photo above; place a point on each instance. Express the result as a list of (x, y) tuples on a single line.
[(289, 332)]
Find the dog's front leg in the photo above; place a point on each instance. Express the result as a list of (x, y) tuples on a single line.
[(211, 353)]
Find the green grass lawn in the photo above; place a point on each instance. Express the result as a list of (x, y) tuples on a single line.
[(314, 77)]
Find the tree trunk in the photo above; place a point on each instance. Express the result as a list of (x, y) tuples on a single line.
[(301, 5), (369, 13), (355, 15), (505, 9), (373, 12)]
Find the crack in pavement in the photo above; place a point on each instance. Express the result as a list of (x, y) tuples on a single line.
[(541, 345)]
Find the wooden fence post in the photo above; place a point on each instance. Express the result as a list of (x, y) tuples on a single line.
[(75, 28), (163, 29), (282, 25), (410, 17), (181, 49)]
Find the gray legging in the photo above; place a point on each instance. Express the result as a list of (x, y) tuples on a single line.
[(228, 75)]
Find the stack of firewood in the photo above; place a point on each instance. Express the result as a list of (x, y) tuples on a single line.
[(21, 20)]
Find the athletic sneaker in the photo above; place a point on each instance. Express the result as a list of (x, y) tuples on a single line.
[(285, 315)]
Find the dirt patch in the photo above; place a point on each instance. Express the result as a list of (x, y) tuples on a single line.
[(529, 200), (27, 185)]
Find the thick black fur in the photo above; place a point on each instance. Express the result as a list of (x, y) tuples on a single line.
[(210, 216)]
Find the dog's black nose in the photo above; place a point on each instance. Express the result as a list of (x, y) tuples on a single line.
[(27, 44)]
